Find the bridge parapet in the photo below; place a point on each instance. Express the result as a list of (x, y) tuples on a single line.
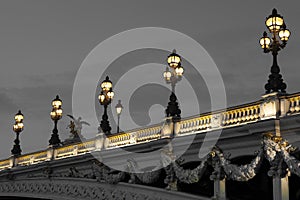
[(271, 106), (294, 104)]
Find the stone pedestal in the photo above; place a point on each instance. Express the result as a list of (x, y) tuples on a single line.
[(281, 188), (219, 189)]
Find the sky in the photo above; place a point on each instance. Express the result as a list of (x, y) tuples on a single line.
[(43, 45)]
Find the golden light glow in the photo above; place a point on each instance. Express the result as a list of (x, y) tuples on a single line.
[(101, 97), (106, 85), (274, 23), (110, 94), (19, 117), (56, 103), (52, 114), (15, 127), (167, 75), (284, 34), (265, 42), (173, 59), (18, 127), (56, 114), (179, 70)]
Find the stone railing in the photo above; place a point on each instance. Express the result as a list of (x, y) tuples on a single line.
[(134, 137), (218, 120), (202, 123), (5, 164), (118, 140), (294, 104), (75, 149), (241, 115), (85, 147), (267, 108), (151, 133), (33, 158)]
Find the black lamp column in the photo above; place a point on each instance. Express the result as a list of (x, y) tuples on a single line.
[(172, 77), (56, 114), (280, 36), (18, 128), (105, 99)]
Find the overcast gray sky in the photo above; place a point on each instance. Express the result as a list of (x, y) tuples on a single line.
[(43, 43)]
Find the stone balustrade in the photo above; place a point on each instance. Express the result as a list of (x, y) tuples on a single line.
[(5, 164), (86, 147), (118, 140), (195, 124), (241, 115), (266, 108), (294, 104), (151, 133), (65, 151)]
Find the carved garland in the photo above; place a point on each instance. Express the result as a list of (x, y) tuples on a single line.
[(292, 163), (189, 176), (242, 172)]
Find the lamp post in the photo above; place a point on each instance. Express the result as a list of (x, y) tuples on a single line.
[(173, 76), (18, 128), (280, 35), (56, 115), (105, 99), (119, 109)]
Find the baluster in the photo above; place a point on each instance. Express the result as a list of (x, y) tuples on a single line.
[(230, 117), (192, 125), (206, 122), (188, 125), (292, 106), (239, 116), (243, 115), (247, 114), (234, 117), (201, 123), (257, 113), (227, 118), (297, 108)]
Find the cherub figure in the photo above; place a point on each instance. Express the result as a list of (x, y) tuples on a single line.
[(77, 124), (73, 132)]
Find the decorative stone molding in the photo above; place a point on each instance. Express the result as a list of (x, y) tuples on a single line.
[(269, 108), (216, 120), (86, 190)]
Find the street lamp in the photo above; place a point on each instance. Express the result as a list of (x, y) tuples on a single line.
[(105, 99), (280, 35), (173, 76), (18, 128), (56, 115), (119, 108)]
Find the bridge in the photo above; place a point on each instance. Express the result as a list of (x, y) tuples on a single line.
[(243, 152), (260, 136)]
